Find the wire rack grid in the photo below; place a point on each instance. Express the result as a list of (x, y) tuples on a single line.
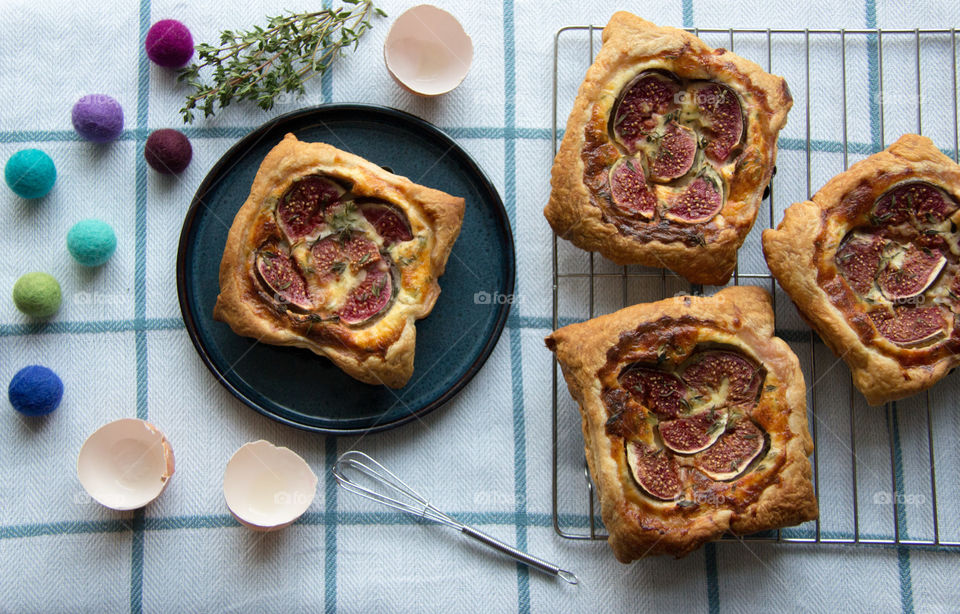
[(863, 512)]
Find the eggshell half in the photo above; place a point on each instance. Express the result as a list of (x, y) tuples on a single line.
[(268, 487), (125, 464), (427, 51)]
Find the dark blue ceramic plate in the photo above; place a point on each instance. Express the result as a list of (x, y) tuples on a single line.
[(298, 388)]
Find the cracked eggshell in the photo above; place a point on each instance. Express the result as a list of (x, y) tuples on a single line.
[(125, 464), (268, 487), (427, 51)]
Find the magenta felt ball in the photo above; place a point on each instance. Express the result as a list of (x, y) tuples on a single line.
[(169, 43), (168, 151), (98, 118)]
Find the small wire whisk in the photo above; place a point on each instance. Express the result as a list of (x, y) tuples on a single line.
[(384, 487)]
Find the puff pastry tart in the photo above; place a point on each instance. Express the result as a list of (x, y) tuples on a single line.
[(667, 151), (872, 263), (694, 419), (334, 254)]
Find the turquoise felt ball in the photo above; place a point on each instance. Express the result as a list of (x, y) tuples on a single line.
[(30, 173), (91, 242), (37, 295)]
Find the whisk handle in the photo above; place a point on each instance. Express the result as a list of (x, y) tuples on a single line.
[(519, 555)]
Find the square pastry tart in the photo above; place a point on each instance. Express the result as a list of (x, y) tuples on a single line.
[(694, 420), (871, 262), (336, 255), (667, 152)]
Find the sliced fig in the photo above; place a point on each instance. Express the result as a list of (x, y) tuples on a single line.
[(928, 205), (661, 392), (910, 326), (629, 190), (300, 211), (360, 250), (858, 260), (675, 154), (389, 222), (694, 433), (719, 106), (698, 203), (732, 453), (909, 275), (369, 298), (328, 259), (654, 470), (708, 371), (650, 94), (279, 272)]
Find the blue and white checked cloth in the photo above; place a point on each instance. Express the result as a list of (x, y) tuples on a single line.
[(121, 348)]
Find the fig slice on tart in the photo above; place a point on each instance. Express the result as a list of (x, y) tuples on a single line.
[(645, 99), (718, 371), (917, 199), (661, 392), (699, 202), (655, 471), (279, 273), (692, 434), (858, 260), (911, 272), (629, 190), (369, 298), (676, 152), (910, 326), (389, 222), (733, 452), (300, 211), (720, 110)]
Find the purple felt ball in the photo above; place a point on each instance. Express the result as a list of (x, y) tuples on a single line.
[(168, 151), (98, 118), (169, 43)]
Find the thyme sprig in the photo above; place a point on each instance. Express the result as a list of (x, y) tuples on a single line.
[(262, 64)]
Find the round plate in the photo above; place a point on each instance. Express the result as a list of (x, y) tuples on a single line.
[(297, 387)]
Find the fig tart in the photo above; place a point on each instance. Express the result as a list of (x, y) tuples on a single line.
[(336, 255)]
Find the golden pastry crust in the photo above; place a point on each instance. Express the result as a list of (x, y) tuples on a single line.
[(581, 208), (775, 489), (802, 254), (380, 352)]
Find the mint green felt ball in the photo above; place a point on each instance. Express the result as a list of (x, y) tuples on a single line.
[(30, 173), (37, 295), (91, 242)]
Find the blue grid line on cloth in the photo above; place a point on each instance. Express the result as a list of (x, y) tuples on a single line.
[(516, 351), (140, 288)]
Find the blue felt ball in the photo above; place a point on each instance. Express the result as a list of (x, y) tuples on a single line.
[(30, 173), (91, 242), (35, 391), (97, 118)]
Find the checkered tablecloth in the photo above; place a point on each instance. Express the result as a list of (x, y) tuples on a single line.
[(120, 345)]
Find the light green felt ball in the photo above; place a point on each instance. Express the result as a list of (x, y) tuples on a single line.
[(91, 242), (37, 295)]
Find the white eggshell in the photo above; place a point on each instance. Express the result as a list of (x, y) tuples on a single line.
[(427, 51), (267, 487), (125, 464)]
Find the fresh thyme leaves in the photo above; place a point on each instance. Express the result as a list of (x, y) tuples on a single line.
[(261, 64), (338, 267)]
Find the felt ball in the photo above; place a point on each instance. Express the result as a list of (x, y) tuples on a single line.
[(30, 173), (98, 118), (168, 151), (169, 43), (35, 391), (91, 242), (37, 295)]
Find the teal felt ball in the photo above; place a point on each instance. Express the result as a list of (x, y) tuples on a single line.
[(91, 242), (37, 295), (30, 173)]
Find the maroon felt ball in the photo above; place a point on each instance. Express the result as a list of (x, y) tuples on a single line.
[(168, 151), (169, 43)]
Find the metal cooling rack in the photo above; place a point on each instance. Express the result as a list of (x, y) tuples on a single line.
[(873, 38)]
